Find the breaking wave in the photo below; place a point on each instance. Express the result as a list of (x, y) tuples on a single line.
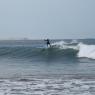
[(59, 49), (84, 50)]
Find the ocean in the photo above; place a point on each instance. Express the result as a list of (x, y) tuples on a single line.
[(28, 67)]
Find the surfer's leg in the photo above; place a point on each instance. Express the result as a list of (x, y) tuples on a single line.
[(47, 45)]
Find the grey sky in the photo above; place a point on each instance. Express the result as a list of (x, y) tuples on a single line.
[(47, 18)]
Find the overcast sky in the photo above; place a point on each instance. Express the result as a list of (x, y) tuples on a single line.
[(39, 19)]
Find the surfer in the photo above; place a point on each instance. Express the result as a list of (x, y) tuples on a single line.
[(48, 42)]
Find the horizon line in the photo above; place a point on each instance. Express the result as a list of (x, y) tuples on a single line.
[(46, 38)]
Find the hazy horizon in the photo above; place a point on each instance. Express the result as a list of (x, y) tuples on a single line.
[(40, 19)]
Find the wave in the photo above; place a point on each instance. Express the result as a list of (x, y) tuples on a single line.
[(84, 50), (59, 49)]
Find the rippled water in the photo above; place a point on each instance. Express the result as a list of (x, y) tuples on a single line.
[(29, 68), (48, 85)]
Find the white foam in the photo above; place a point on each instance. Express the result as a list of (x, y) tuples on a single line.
[(48, 87), (60, 43), (86, 51), (64, 45), (74, 41)]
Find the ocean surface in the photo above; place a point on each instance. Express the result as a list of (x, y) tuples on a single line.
[(29, 67)]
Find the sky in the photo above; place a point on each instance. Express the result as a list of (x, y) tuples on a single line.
[(40, 19)]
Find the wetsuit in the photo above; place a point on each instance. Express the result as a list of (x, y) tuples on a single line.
[(48, 42)]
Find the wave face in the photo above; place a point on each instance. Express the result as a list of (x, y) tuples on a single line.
[(59, 49), (30, 52)]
